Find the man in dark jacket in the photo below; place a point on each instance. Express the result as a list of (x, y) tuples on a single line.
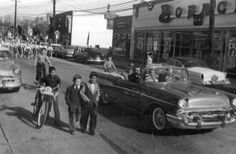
[(72, 98), (90, 94)]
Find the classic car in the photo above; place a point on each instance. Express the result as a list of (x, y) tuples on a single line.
[(56, 49), (89, 55), (201, 74), (65, 52), (171, 100), (10, 72)]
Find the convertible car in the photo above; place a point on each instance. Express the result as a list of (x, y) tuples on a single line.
[(201, 74), (10, 72), (172, 99)]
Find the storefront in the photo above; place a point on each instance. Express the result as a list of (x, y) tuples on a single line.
[(122, 36), (181, 28)]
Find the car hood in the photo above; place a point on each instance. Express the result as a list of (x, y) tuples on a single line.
[(208, 73), (198, 96), (6, 67), (201, 97)]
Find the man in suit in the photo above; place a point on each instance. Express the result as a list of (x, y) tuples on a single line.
[(90, 94), (72, 98)]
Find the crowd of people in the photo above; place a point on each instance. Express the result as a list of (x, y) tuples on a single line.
[(22, 49)]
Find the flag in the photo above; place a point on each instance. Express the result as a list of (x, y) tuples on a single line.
[(88, 38)]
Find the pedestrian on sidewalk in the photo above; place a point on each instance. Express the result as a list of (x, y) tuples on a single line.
[(90, 94), (72, 98)]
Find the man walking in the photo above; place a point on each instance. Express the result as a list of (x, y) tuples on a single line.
[(72, 98), (90, 94)]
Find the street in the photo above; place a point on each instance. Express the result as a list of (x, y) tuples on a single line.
[(118, 131)]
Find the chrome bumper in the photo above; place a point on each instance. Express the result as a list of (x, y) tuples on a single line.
[(199, 124), (9, 83)]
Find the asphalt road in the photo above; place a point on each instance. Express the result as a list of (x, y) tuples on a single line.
[(118, 131)]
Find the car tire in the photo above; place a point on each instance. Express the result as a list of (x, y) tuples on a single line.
[(159, 119)]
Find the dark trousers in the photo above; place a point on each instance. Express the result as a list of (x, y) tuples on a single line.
[(86, 112), (40, 72), (56, 109), (74, 114)]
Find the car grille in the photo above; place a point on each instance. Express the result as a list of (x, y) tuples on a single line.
[(211, 116), (7, 79)]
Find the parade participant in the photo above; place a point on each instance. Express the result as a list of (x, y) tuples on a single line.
[(136, 75), (40, 63), (149, 59), (50, 50), (90, 94), (151, 76), (109, 66), (72, 98), (52, 80)]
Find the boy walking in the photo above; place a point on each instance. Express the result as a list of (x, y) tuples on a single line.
[(72, 98), (90, 94)]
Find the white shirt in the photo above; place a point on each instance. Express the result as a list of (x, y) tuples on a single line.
[(92, 87)]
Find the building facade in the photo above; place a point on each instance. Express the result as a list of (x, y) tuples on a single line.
[(122, 36), (63, 28), (181, 28)]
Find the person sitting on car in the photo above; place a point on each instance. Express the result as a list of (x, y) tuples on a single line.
[(151, 76), (136, 75), (109, 66)]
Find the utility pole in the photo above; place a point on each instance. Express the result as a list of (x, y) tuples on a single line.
[(211, 25), (14, 31), (54, 20)]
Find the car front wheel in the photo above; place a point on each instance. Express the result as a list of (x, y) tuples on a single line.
[(159, 119)]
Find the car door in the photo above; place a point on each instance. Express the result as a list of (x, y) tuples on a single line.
[(130, 94)]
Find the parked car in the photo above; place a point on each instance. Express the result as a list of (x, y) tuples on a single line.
[(10, 72), (66, 52), (175, 101), (57, 48), (89, 55), (200, 73)]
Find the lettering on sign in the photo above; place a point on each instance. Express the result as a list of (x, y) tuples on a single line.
[(221, 8), (205, 9), (191, 11), (178, 12), (165, 14)]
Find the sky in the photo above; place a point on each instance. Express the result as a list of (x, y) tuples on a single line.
[(34, 8)]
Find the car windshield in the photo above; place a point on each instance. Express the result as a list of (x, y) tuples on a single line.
[(4, 55), (195, 64), (163, 74)]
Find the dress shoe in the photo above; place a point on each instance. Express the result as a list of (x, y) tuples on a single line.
[(83, 131), (91, 133)]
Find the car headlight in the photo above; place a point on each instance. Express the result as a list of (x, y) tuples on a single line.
[(16, 70), (183, 103), (233, 102)]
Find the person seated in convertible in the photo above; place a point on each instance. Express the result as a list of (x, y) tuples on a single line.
[(151, 76), (136, 75)]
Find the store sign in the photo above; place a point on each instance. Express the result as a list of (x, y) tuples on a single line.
[(69, 22), (167, 9)]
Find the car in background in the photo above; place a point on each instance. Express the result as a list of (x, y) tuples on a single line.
[(10, 72), (65, 52), (89, 55), (173, 101), (57, 48), (201, 74)]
